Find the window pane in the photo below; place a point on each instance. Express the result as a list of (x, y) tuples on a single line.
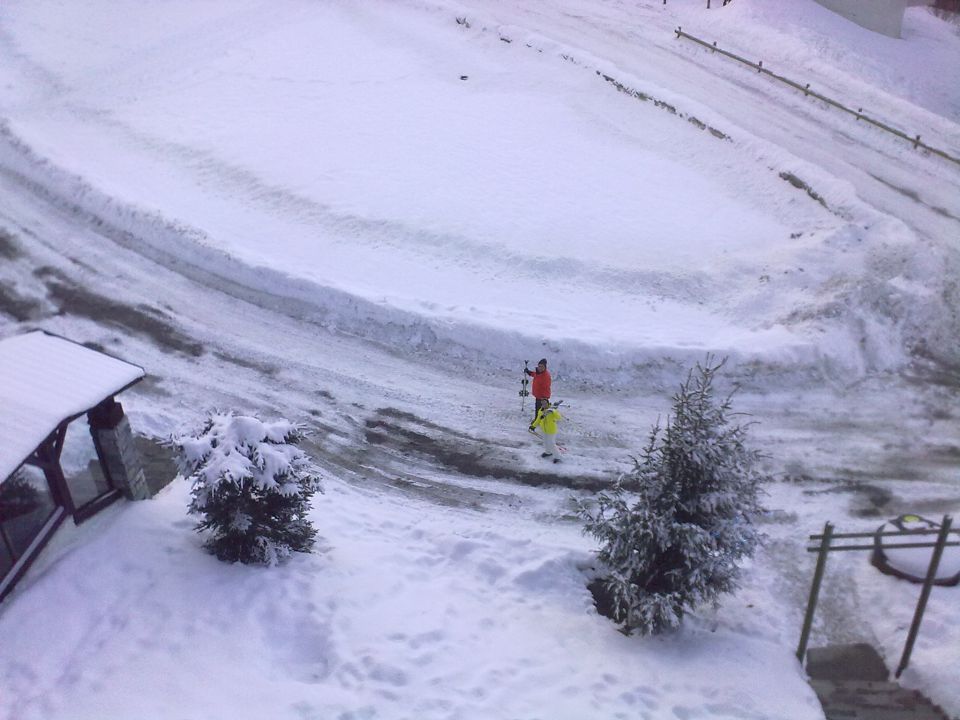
[(6, 562), (81, 467), (6, 559), (25, 506)]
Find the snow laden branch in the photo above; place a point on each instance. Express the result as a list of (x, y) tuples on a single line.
[(252, 485), (674, 545)]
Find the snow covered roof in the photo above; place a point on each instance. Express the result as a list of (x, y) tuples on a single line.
[(45, 380)]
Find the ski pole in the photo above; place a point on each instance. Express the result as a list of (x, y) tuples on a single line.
[(523, 388)]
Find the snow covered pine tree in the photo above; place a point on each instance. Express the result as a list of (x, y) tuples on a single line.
[(677, 545), (252, 486)]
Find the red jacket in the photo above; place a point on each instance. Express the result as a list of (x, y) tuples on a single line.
[(541, 385)]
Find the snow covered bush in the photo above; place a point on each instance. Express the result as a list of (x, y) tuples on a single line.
[(674, 544), (252, 485)]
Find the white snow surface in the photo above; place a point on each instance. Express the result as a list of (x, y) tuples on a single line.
[(303, 211), (916, 561), (47, 380), (234, 448), (406, 612), (405, 173)]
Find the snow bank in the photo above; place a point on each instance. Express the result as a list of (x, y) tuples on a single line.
[(531, 204)]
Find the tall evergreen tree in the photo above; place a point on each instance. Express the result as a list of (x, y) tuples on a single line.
[(252, 485), (675, 544)]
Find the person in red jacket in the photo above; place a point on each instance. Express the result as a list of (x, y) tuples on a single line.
[(541, 385)]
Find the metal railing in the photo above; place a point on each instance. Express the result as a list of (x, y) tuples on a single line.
[(805, 89), (826, 546)]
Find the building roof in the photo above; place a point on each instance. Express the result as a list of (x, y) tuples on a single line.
[(44, 380)]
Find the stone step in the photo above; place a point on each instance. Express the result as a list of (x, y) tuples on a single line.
[(856, 661), (864, 688), (872, 700)]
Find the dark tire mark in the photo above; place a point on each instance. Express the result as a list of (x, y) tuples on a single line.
[(473, 462), (141, 319), (19, 308), (9, 248)]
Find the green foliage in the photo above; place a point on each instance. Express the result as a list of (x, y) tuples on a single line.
[(251, 485), (674, 544)]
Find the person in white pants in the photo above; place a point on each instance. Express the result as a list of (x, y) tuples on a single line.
[(547, 418)]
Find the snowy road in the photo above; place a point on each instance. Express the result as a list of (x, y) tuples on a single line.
[(75, 275), (121, 278)]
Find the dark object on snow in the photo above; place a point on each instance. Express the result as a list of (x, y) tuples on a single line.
[(603, 600), (912, 563), (858, 661)]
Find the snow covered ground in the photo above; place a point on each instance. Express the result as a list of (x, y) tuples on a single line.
[(365, 216), (335, 150)]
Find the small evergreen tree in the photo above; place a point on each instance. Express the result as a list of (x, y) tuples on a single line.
[(252, 485), (675, 545)]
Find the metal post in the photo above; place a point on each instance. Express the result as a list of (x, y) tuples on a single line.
[(925, 593), (814, 590)]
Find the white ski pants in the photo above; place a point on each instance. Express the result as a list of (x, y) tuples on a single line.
[(550, 444)]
